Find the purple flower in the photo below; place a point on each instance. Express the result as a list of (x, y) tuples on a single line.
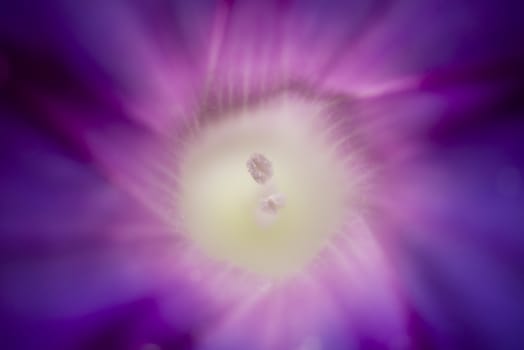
[(382, 206)]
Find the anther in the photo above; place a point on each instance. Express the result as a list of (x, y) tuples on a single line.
[(260, 168)]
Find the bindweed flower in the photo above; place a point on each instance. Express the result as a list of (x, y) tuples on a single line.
[(220, 175)]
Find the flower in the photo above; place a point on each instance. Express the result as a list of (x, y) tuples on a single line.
[(103, 105)]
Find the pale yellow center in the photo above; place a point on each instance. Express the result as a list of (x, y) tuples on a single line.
[(222, 207)]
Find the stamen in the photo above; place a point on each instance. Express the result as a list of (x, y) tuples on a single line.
[(272, 200), (260, 168), (268, 209)]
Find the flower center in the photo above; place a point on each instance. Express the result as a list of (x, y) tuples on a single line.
[(275, 217)]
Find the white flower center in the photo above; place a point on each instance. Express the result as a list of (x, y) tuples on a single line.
[(275, 224)]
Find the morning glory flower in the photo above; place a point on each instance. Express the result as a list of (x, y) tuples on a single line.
[(261, 175)]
